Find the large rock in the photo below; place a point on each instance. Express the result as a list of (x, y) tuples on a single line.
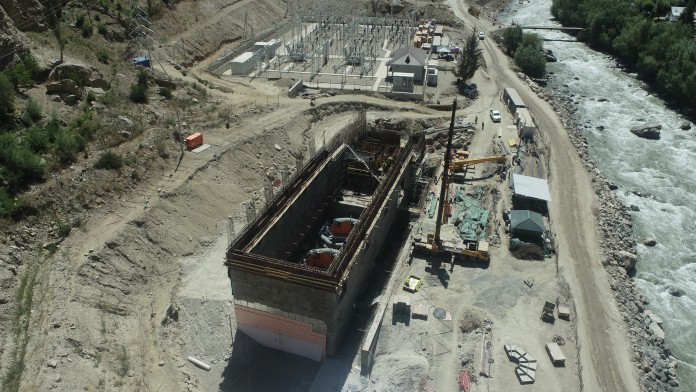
[(627, 260), (28, 15), (649, 241), (656, 330), (97, 81), (11, 40), (64, 87), (79, 73), (685, 126), (647, 131)]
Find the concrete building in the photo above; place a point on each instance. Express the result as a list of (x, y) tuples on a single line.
[(409, 60), (285, 303), (243, 64), (267, 47), (402, 82)]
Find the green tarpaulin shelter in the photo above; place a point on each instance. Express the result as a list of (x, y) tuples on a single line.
[(526, 224)]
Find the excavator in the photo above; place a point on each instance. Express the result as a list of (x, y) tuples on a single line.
[(433, 243)]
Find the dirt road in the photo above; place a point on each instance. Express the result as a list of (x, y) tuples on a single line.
[(605, 352)]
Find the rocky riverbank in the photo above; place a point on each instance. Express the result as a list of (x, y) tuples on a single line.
[(654, 361)]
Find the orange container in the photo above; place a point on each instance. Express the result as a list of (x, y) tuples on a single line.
[(195, 140)]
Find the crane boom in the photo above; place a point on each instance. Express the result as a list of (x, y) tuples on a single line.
[(445, 173)]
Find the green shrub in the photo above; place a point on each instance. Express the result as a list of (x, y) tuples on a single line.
[(165, 92), (53, 127), (7, 96), (101, 29), (10, 206), (74, 76), (68, 144), (19, 165), (32, 112), (109, 160), (91, 97), (138, 93), (103, 56), (79, 20), (87, 30), (19, 75), (37, 139), (143, 78)]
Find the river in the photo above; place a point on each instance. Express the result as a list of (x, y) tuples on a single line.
[(658, 177)]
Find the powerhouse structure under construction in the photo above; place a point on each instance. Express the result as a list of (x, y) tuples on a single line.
[(298, 268)]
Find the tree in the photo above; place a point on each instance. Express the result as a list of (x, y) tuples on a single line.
[(531, 61), (529, 55), (687, 16), (512, 36), (470, 59), (53, 14)]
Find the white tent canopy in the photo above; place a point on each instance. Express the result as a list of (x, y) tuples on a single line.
[(531, 187)]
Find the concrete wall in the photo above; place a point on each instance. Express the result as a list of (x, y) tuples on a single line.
[(364, 260), (295, 88), (282, 333), (288, 228), (283, 298)]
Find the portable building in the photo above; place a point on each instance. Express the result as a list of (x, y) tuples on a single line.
[(243, 64), (512, 100), (525, 124), (142, 61)]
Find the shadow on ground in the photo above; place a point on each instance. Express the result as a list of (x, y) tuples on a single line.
[(253, 367)]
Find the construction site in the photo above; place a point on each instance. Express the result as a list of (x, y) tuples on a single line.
[(305, 265)]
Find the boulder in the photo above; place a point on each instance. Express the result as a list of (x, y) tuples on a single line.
[(70, 99), (98, 82), (64, 87), (95, 90), (675, 291), (627, 260), (649, 241), (70, 71), (165, 83), (126, 120), (685, 126), (647, 131), (656, 330)]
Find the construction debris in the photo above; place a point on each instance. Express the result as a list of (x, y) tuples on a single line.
[(526, 364)]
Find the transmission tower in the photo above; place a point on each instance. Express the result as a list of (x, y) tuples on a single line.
[(142, 36)]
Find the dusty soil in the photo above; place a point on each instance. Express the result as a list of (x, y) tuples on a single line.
[(140, 286)]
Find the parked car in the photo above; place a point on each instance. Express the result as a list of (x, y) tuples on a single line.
[(470, 90), (481, 35), (495, 115), (446, 57)]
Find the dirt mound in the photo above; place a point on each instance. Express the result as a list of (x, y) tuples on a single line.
[(400, 372), (529, 252)]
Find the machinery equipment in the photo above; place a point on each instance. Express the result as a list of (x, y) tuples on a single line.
[(433, 242)]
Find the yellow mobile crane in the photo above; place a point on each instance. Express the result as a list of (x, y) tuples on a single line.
[(434, 243)]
